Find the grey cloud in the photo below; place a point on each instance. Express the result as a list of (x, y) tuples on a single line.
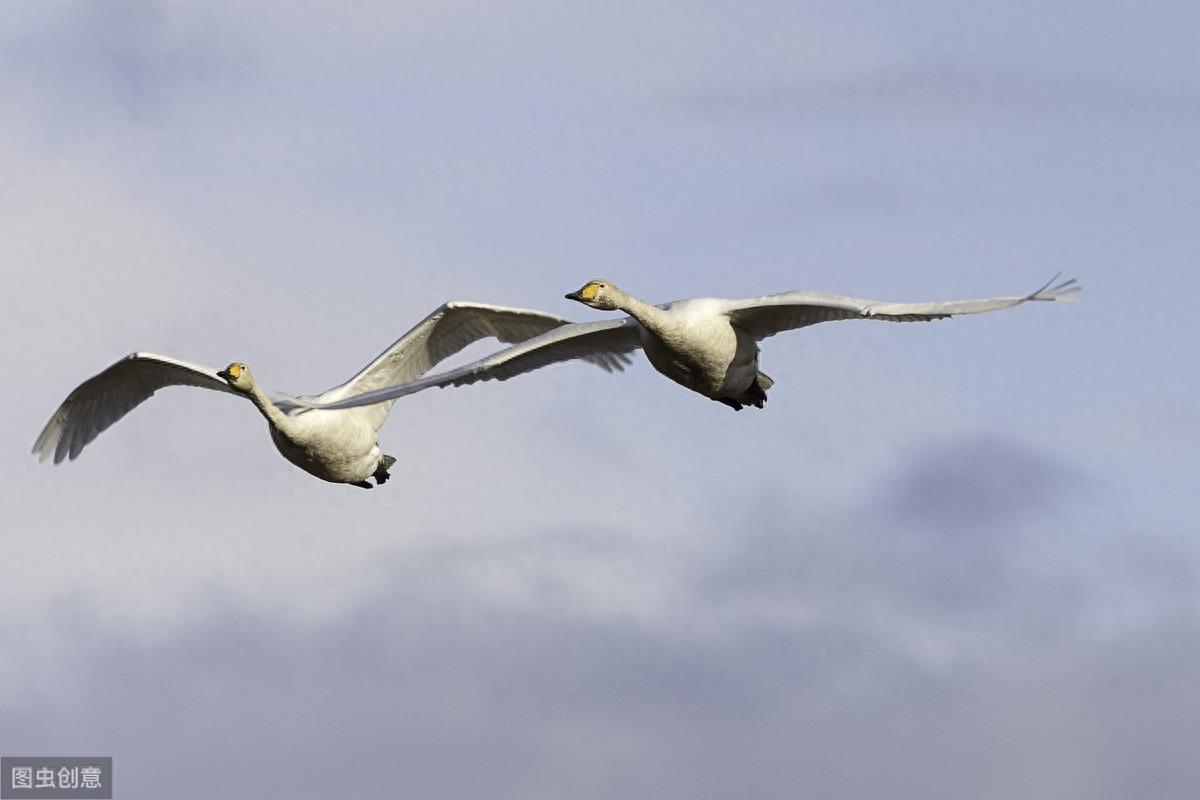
[(941, 92), (430, 688), (423, 701), (979, 483), (947, 542), (128, 58)]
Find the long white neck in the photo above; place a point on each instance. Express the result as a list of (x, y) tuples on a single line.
[(651, 317), (268, 409)]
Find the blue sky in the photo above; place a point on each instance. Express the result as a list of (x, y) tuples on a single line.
[(947, 560)]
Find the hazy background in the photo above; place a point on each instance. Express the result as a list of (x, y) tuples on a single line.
[(947, 560)]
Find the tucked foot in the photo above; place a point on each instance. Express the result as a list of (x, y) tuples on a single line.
[(362, 485), (381, 473), (734, 404), (756, 394)]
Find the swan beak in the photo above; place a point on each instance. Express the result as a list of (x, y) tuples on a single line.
[(223, 374), (576, 296)]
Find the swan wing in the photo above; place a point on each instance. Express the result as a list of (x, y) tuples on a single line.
[(766, 316), (446, 331), (103, 399), (604, 343)]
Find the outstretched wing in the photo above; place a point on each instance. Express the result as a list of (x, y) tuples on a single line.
[(604, 343), (766, 316), (447, 330), (103, 399)]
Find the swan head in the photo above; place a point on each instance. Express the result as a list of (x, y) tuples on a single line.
[(600, 293), (238, 376)]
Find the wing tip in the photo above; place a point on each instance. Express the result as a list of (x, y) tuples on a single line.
[(1062, 292), (47, 442)]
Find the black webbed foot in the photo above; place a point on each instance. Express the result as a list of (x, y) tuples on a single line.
[(381, 473), (362, 485), (734, 404), (756, 394)]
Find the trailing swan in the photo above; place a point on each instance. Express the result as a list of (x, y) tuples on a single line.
[(336, 446), (708, 345)]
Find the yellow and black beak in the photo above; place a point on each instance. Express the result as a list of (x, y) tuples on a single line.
[(585, 295)]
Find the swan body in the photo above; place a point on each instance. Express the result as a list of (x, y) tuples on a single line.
[(334, 446), (708, 345), (337, 446), (693, 344), (337, 449)]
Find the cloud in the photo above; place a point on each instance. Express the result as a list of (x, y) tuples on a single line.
[(456, 699), (937, 93), (978, 484), (886, 647), (129, 59)]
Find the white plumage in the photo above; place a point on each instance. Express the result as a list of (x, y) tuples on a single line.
[(338, 446)]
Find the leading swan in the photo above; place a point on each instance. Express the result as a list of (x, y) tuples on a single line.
[(336, 446), (708, 345)]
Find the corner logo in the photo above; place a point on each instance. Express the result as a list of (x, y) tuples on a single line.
[(61, 777)]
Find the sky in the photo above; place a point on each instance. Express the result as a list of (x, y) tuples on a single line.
[(946, 560)]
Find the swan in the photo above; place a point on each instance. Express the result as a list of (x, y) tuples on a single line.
[(708, 345), (335, 446)]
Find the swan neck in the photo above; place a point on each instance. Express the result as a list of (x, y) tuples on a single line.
[(648, 315), (268, 408)]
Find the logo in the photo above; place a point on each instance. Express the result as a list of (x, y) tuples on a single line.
[(63, 777)]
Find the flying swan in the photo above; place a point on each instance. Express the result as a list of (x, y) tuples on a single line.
[(708, 345), (335, 446)]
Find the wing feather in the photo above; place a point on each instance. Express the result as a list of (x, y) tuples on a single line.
[(605, 343), (103, 399), (447, 330), (766, 316)]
